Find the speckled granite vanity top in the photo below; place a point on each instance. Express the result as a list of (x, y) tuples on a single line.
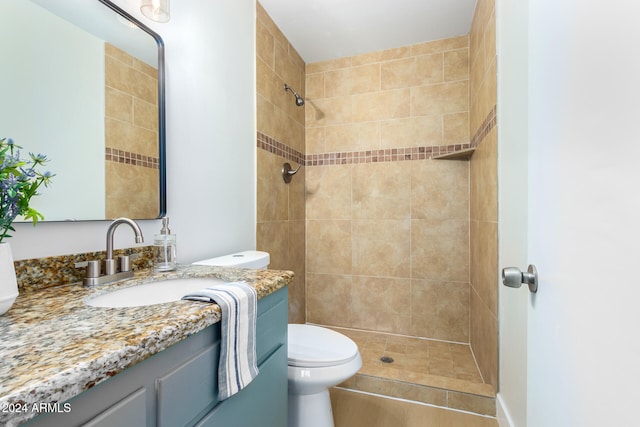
[(53, 346)]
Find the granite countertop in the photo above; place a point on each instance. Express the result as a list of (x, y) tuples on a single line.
[(53, 346)]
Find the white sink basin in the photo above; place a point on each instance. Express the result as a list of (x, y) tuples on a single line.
[(151, 293)]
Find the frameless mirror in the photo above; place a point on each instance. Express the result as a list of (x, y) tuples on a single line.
[(83, 83)]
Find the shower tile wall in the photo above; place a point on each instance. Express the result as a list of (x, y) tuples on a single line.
[(484, 199), (131, 132), (280, 207), (388, 242)]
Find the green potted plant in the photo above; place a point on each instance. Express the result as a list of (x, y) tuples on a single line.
[(19, 182)]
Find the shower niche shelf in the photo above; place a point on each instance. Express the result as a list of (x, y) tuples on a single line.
[(456, 155)]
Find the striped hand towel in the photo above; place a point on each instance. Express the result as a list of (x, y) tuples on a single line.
[(238, 365)]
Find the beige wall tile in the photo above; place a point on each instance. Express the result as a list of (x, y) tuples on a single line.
[(329, 111), (145, 115), (281, 226), (472, 403), (263, 16), (265, 44), (490, 37), (483, 195), (314, 140), (268, 84), (440, 190), (139, 180), (440, 310), (273, 237), (329, 299), (334, 64), (484, 180), (351, 81), (118, 54), (484, 263), (272, 202), (297, 189), (357, 409), (381, 248), (412, 132), (314, 85), (484, 339), (328, 192), (352, 137), (380, 191), (329, 246), (390, 104), (296, 263), (119, 105), (443, 98), (456, 65), (128, 137), (439, 45), (456, 128), (440, 250), (288, 70), (375, 302), (381, 56), (414, 71)]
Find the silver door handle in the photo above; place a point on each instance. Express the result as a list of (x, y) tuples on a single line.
[(514, 278)]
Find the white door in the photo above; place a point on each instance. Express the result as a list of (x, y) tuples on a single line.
[(583, 326)]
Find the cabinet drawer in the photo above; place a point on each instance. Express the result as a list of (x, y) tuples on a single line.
[(130, 411), (262, 403), (189, 389)]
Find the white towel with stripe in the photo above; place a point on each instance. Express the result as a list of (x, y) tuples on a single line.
[(238, 364)]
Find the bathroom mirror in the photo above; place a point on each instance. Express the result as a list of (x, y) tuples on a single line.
[(83, 83)]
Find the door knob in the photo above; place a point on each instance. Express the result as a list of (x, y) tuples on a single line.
[(514, 278)]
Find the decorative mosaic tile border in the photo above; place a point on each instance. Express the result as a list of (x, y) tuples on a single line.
[(278, 148), (374, 156), (484, 129), (127, 157), (41, 273)]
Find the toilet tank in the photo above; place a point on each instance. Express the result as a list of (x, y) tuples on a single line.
[(246, 259)]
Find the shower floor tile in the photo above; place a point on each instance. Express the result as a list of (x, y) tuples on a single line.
[(427, 371)]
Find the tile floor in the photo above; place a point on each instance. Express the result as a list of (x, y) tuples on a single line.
[(353, 409), (426, 371)]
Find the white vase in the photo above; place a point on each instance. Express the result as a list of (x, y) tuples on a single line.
[(8, 282)]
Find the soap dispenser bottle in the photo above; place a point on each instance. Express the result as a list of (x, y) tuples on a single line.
[(164, 249)]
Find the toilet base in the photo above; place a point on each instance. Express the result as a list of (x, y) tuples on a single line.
[(310, 410)]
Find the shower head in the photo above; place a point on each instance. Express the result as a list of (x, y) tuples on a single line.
[(299, 99)]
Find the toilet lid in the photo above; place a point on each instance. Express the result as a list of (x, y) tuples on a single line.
[(313, 346)]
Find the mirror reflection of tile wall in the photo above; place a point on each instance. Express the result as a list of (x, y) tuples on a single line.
[(131, 126)]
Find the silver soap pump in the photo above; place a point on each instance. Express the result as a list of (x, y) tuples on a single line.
[(164, 249)]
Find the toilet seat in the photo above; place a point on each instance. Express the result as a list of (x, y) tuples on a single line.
[(315, 347)]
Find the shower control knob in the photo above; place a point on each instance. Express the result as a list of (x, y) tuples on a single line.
[(514, 278)]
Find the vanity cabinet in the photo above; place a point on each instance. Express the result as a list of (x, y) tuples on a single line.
[(179, 386)]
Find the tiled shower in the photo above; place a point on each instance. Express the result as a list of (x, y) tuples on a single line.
[(382, 237)]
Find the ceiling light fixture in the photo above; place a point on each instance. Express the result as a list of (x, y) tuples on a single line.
[(157, 10)]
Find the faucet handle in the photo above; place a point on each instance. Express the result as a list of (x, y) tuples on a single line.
[(125, 263), (92, 267)]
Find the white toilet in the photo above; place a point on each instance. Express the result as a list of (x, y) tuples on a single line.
[(319, 358)]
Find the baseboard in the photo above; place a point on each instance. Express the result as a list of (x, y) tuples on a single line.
[(502, 414)]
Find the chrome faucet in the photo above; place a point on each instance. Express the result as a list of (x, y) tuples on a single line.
[(110, 263), (111, 274)]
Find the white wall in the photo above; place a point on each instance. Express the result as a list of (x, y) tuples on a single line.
[(211, 133)]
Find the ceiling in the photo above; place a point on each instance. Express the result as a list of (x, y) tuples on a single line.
[(327, 29)]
